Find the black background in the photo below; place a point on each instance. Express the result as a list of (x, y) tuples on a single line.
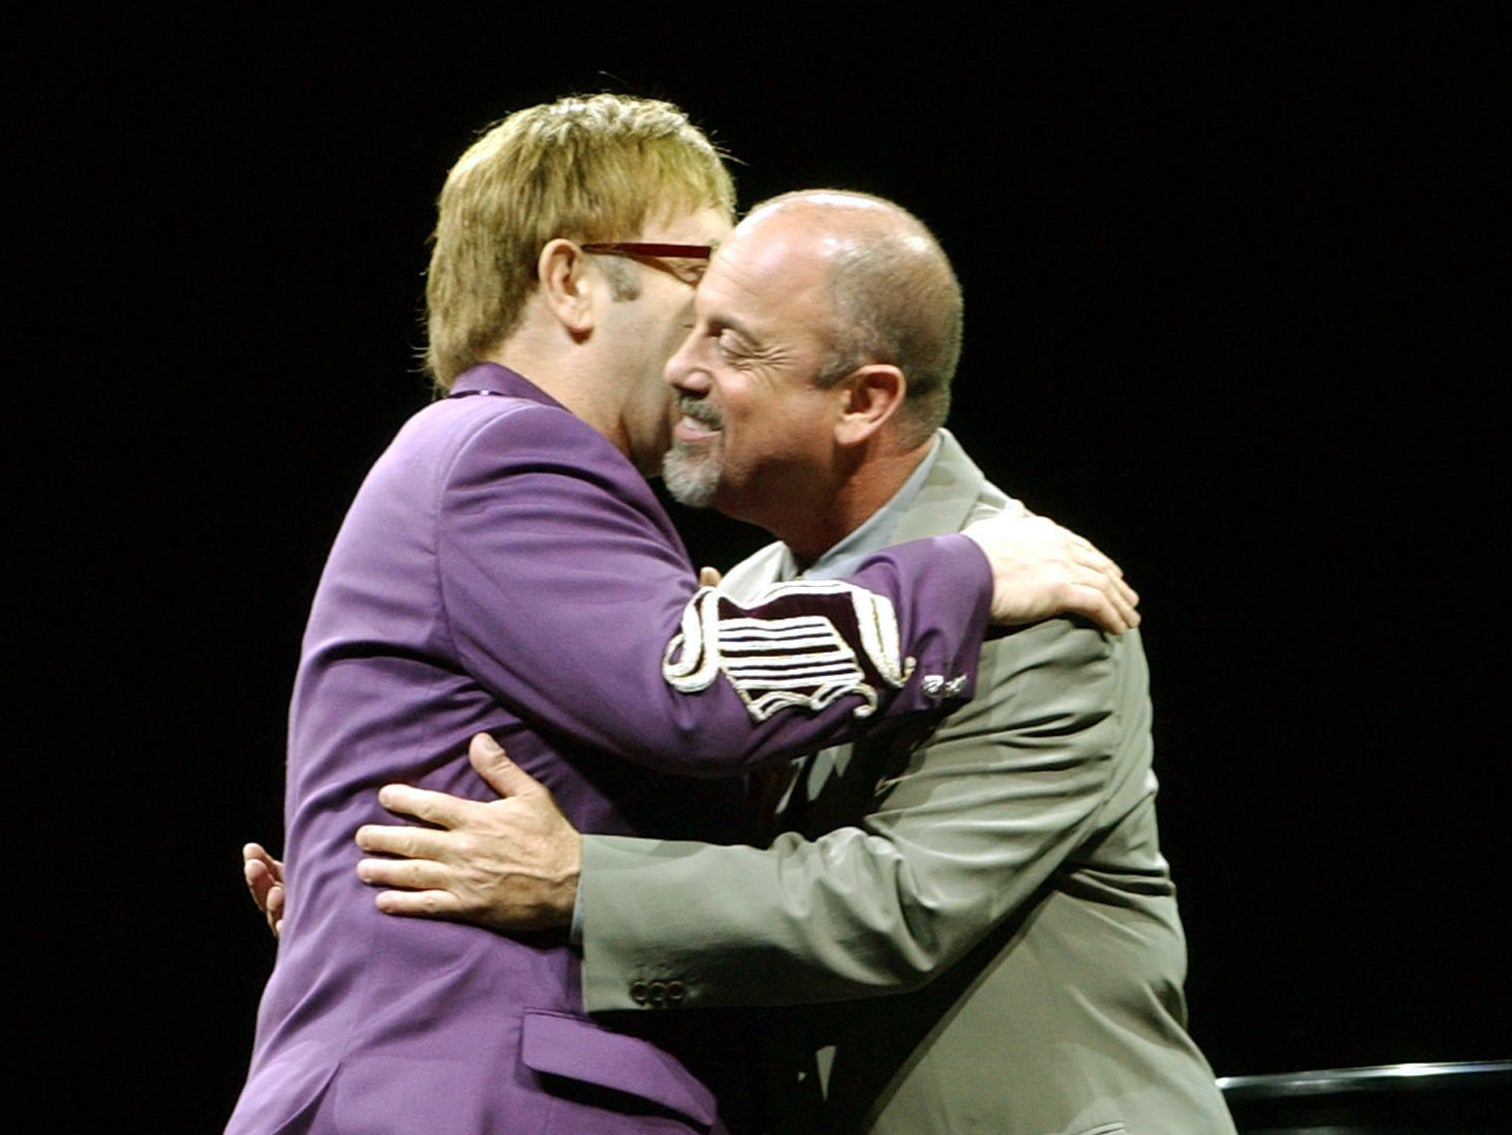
[(1233, 288)]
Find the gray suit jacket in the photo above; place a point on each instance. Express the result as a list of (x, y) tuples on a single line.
[(998, 872)]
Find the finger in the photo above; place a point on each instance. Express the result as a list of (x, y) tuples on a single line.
[(256, 853), (709, 577), (1116, 600), (505, 777), (261, 871), (409, 874), (403, 841), (1103, 577), (274, 911), (1124, 597), (1122, 600), (255, 872), (1103, 564), (1091, 594), (1080, 541), (1089, 556), (1096, 605), (433, 807), (1124, 614), (1083, 550), (419, 904)]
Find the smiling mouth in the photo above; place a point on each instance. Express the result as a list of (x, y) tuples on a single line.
[(689, 428), (697, 420)]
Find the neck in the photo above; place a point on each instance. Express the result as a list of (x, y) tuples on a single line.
[(866, 483), (566, 372)]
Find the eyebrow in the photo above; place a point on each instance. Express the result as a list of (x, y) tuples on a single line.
[(723, 322)]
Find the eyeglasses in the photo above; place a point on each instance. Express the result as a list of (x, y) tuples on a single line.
[(643, 248), (656, 255)]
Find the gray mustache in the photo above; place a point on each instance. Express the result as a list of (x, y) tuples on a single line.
[(700, 411)]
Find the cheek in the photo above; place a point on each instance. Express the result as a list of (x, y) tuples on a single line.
[(658, 398), (753, 426), (680, 317)]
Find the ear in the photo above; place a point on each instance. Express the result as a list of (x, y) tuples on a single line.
[(562, 273), (869, 398)]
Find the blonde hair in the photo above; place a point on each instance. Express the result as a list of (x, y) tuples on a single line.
[(587, 168)]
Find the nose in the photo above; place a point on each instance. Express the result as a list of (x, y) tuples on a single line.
[(683, 371)]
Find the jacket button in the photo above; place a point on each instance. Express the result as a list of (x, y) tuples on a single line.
[(656, 993), (638, 992), (676, 991)]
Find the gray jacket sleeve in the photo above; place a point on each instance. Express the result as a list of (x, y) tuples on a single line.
[(1008, 790)]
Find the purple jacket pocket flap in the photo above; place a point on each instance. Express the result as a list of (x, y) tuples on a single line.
[(554, 1044)]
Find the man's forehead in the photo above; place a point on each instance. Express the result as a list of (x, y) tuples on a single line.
[(762, 274), (792, 250)]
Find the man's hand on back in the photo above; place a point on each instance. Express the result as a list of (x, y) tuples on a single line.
[(510, 864), (1040, 570)]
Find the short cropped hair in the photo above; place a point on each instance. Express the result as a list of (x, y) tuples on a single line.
[(894, 299), (587, 168)]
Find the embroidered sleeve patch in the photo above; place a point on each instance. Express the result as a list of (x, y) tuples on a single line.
[(806, 643)]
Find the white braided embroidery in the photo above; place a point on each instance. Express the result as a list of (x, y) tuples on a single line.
[(798, 660)]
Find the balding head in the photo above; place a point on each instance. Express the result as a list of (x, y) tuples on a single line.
[(894, 296), (826, 333)]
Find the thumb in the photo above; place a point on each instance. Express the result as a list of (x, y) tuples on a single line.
[(493, 765), (708, 577)]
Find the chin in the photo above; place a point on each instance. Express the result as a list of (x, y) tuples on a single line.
[(690, 481)]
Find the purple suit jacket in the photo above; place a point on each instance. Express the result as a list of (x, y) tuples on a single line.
[(504, 568)]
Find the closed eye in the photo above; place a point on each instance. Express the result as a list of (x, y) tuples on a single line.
[(729, 345)]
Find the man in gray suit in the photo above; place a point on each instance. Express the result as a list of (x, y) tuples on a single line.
[(996, 872)]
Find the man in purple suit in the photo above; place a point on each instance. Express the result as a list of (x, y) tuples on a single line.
[(505, 568)]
